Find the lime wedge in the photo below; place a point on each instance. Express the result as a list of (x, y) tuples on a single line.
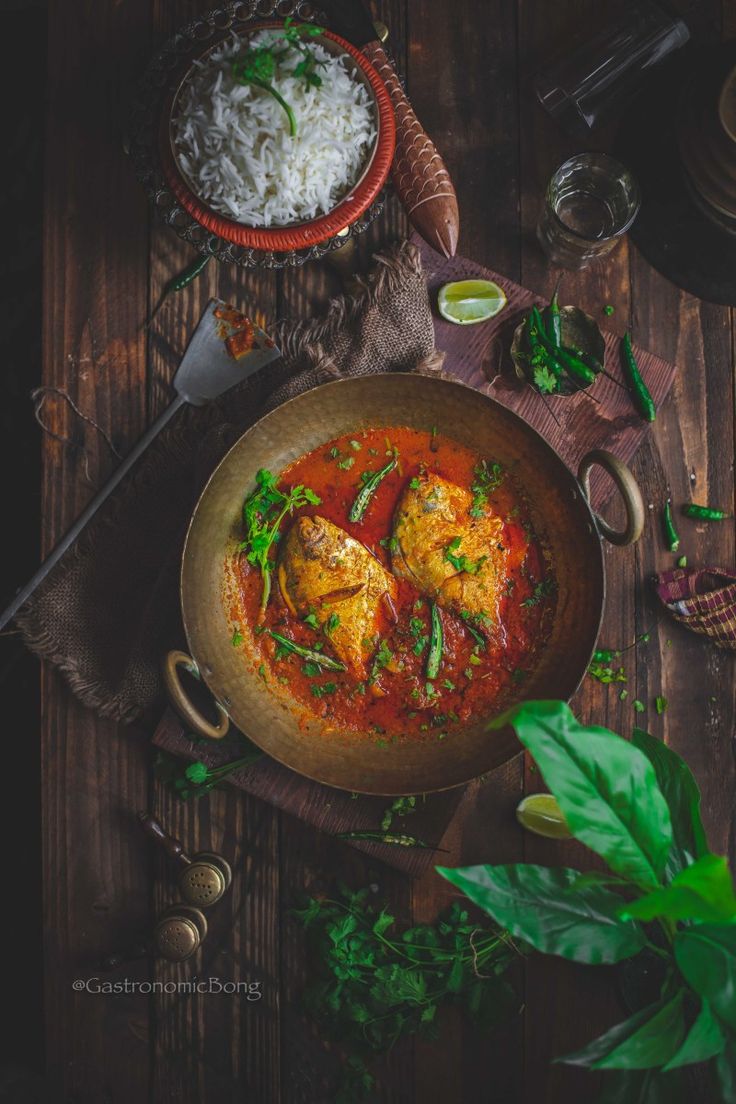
[(540, 813), (469, 301)]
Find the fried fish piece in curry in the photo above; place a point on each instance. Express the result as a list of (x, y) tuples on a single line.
[(455, 558), (324, 571)]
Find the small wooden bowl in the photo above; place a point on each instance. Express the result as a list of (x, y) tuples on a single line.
[(296, 235), (579, 331)]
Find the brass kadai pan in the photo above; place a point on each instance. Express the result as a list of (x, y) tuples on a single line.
[(560, 512)]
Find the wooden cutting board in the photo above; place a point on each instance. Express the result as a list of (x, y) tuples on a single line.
[(604, 417), (477, 355)]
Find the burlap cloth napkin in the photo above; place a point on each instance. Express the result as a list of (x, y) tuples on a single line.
[(703, 599), (110, 610)]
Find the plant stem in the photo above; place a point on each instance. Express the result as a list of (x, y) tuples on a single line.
[(287, 108)]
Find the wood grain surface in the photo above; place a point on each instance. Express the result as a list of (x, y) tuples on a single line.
[(468, 67)]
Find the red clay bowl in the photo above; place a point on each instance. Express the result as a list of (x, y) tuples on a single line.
[(295, 235)]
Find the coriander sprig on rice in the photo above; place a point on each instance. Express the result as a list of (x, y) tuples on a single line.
[(258, 66)]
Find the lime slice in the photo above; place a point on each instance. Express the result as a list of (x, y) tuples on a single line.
[(541, 814), (469, 301)]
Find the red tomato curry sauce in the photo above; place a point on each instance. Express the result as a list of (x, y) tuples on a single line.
[(397, 698)]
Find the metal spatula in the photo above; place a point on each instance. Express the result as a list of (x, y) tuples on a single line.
[(207, 370)]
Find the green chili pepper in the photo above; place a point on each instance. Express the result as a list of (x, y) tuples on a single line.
[(671, 534), (386, 837), (307, 653), (555, 321), (189, 275), (477, 637), (182, 281), (434, 655), (704, 513), (643, 401), (573, 365), (366, 492)]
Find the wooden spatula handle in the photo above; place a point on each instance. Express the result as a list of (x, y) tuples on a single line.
[(419, 173)]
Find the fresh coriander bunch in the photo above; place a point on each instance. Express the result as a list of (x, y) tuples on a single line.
[(375, 984), (193, 780), (637, 806), (258, 65), (263, 512)]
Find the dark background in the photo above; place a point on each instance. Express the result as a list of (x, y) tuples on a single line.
[(22, 93)]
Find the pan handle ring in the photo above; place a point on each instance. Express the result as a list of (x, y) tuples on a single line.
[(628, 489), (181, 703)]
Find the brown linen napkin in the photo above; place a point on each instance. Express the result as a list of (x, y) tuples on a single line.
[(110, 610)]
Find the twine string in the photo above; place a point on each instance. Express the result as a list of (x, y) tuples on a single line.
[(39, 396)]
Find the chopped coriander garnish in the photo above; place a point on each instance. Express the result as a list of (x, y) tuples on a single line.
[(488, 478), (325, 688), (602, 672), (639, 707), (263, 512), (237, 638), (331, 624), (544, 380), (542, 590), (382, 658), (462, 563), (660, 704)]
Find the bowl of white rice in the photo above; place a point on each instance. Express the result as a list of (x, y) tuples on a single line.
[(280, 162)]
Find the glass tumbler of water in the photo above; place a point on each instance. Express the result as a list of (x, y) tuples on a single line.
[(591, 202)]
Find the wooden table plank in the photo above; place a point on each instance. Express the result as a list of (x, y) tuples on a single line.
[(95, 274), (212, 1047)]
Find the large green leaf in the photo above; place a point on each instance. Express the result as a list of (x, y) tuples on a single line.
[(703, 891), (647, 1040), (682, 796), (543, 906), (706, 956), (704, 1040), (606, 788), (726, 1066)]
